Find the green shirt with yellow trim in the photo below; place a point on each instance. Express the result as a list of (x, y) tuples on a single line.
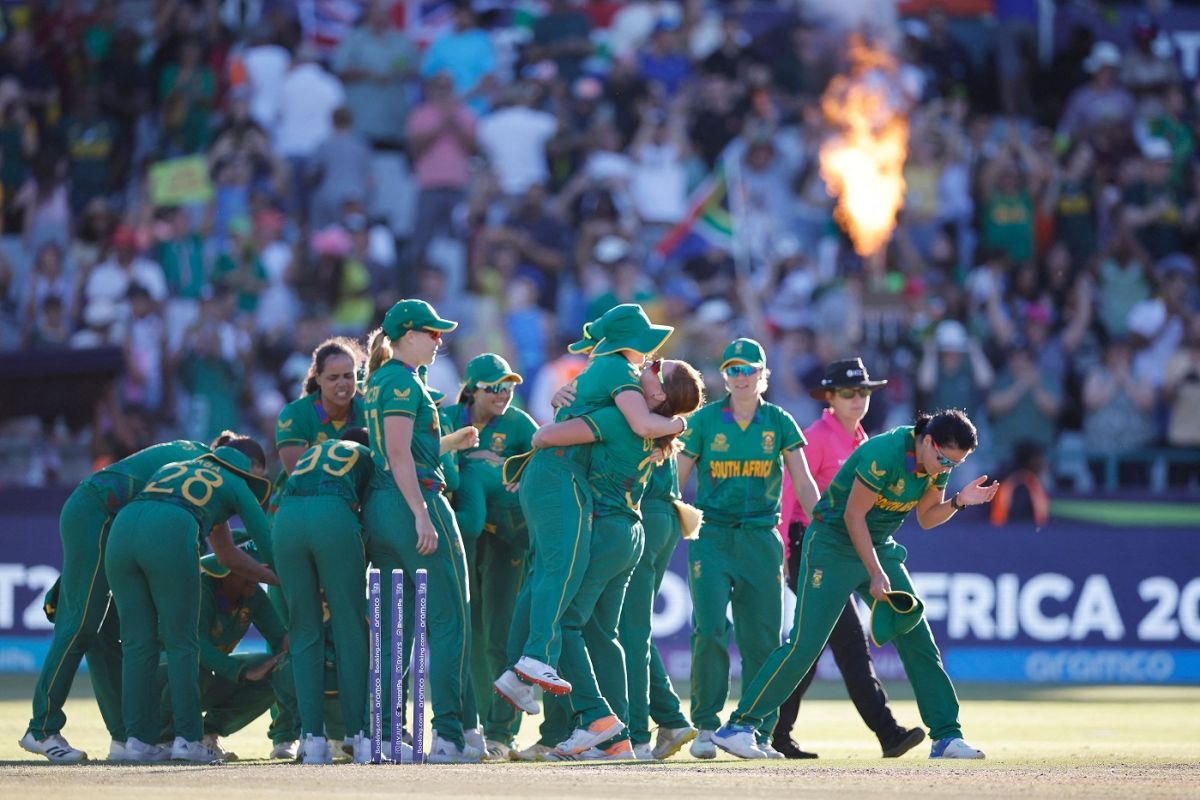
[(211, 494), (621, 464), (509, 434), (223, 625), (333, 468), (303, 423), (663, 486), (395, 390), (887, 465), (121, 482), (739, 469)]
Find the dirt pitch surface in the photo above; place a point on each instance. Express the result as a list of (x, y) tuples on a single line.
[(1052, 742)]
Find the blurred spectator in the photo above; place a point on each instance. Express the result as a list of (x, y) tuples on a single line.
[(145, 352), (1102, 102), (239, 269), (441, 135), (542, 243), (340, 171), (43, 203), (91, 141), (1008, 188), (514, 138), (32, 74), (467, 54), (187, 92), (212, 363), (374, 61), (1154, 205), (180, 252), (1181, 391), (1071, 197), (109, 283), (663, 63), (954, 373), (49, 279), (267, 64), (562, 36), (308, 98), (1023, 406), (1118, 409), (658, 187), (1124, 278)]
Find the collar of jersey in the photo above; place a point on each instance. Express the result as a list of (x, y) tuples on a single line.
[(727, 411), (323, 415)]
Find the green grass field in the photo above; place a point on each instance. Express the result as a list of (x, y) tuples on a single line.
[(1041, 742)]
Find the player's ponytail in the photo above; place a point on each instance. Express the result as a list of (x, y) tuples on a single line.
[(921, 423), (379, 351)]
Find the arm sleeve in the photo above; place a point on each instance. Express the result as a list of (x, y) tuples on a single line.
[(255, 521), (402, 398), (288, 429), (790, 436), (868, 469), (211, 656), (266, 619), (693, 437)]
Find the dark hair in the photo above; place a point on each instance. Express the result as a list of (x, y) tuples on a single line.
[(223, 439), (337, 346), (949, 427), (249, 448), (356, 435)]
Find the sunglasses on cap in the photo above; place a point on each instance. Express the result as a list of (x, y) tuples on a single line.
[(941, 457), (737, 370), (846, 394), (496, 388)]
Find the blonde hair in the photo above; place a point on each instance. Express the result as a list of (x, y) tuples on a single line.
[(379, 350)]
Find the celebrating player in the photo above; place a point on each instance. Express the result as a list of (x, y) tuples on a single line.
[(82, 602), (847, 389), (557, 501), (153, 567), (320, 549), (408, 519), (621, 464), (849, 547), (738, 447), (493, 530)]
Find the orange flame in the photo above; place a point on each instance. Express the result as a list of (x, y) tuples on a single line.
[(862, 161)]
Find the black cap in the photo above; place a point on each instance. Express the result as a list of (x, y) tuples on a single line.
[(847, 374)]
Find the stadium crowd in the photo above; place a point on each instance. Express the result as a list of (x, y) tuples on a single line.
[(217, 195)]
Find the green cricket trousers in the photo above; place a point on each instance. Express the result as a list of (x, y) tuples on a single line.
[(229, 706), (742, 567), (81, 624), (829, 573), (651, 695), (392, 544), (153, 565), (319, 547)]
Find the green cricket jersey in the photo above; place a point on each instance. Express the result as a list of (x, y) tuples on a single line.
[(887, 465), (333, 468), (212, 494), (448, 460), (739, 471), (663, 485), (223, 625), (597, 387), (621, 464), (507, 435), (395, 390), (305, 422), (120, 482)]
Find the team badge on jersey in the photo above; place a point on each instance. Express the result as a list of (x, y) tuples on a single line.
[(321, 437), (720, 443), (498, 442), (897, 487), (285, 423), (818, 576), (878, 473), (768, 441), (402, 395)]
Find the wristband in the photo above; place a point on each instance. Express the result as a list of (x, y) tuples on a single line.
[(684, 428), (954, 503)]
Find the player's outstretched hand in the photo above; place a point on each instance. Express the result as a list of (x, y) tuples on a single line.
[(464, 438), (976, 492)]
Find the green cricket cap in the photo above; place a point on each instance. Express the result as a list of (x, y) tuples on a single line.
[(408, 315), (897, 616), (488, 370), (624, 327), (744, 351)]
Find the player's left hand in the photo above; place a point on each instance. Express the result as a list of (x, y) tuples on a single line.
[(563, 397), (976, 492), (464, 438)]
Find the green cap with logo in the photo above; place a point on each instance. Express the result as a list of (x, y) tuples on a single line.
[(210, 566), (409, 315), (488, 369), (624, 327), (744, 351), (239, 463), (897, 616)]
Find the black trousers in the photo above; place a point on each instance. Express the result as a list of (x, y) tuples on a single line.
[(853, 657)]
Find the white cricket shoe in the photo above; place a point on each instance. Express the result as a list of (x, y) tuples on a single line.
[(703, 747), (198, 752), (643, 752), (315, 750), (137, 750), (284, 751), (443, 751), (954, 747), (738, 740), (621, 751), (474, 738), (361, 748), (671, 740), (582, 739), (116, 751), (770, 751), (53, 747), (542, 674), (516, 693), (213, 742), (535, 752)]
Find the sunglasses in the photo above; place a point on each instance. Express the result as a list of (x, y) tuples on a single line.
[(846, 394), (941, 457), (435, 335), (496, 388), (741, 370), (656, 369)]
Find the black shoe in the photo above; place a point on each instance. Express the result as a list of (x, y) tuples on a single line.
[(790, 749), (902, 742)]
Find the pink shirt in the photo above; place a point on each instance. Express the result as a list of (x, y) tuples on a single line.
[(829, 445), (445, 163)]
